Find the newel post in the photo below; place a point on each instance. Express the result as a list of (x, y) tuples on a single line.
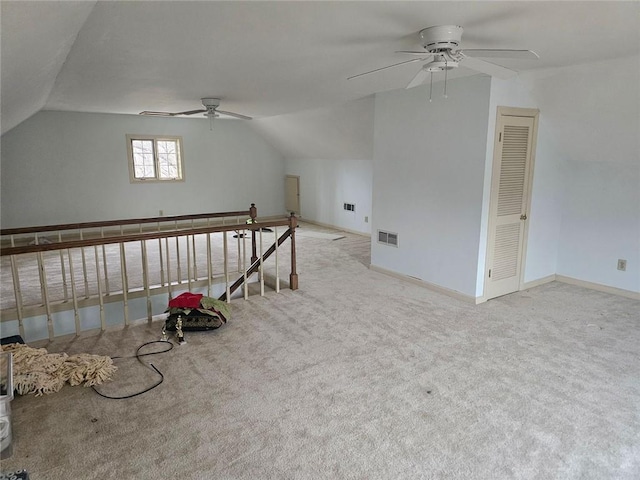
[(293, 277), (253, 213)]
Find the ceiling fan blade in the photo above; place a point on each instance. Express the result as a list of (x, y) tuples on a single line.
[(388, 66), (156, 114), (189, 112), (420, 77), (497, 53), (413, 52), (231, 114), (488, 68)]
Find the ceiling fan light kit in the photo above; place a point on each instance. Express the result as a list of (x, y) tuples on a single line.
[(441, 44)]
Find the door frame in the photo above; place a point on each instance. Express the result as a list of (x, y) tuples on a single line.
[(495, 182), (297, 177)]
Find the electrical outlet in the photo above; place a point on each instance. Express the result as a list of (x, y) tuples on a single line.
[(622, 265), (366, 219)]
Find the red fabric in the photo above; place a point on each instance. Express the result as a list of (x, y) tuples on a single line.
[(186, 300)]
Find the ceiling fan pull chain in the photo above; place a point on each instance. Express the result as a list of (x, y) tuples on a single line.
[(445, 77)]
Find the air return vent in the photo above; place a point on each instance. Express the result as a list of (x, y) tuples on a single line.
[(350, 207), (388, 238)]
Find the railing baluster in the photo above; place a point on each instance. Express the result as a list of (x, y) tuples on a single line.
[(244, 264), (103, 323), (240, 236), (178, 270), (104, 262), (188, 262), (125, 282), (161, 260), (84, 269), (275, 230), (45, 294), (145, 277), (261, 267), (226, 266), (209, 267), (253, 214), (17, 292), (195, 264), (293, 277), (65, 288), (74, 296), (169, 291)]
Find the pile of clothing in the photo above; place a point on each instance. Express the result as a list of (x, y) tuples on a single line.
[(197, 312)]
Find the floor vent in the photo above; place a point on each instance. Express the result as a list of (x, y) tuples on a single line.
[(388, 238), (350, 207)]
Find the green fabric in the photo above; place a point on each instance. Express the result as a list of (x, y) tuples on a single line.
[(215, 304)]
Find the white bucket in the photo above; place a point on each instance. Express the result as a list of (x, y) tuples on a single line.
[(6, 395)]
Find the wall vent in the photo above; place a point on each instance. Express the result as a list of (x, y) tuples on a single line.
[(350, 207), (388, 238)]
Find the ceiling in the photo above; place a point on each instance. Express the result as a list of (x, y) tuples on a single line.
[(268, 58)]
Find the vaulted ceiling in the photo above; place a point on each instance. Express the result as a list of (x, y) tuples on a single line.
[(268, 58)]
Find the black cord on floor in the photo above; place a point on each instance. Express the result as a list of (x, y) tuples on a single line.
[(139, 356)]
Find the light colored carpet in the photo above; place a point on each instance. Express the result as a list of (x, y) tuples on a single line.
[(359, 376), (316, 234)]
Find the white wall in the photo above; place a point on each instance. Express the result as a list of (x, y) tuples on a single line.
[(601, 223), (325, 185), (60, 167), (593, 111), (428, 180)]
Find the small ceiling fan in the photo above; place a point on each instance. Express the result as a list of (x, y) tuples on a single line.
[(441, 46), (210, 110)]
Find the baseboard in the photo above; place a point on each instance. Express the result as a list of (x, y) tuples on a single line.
[(430, 286), (598, 287), (335, 227), (538, 282)]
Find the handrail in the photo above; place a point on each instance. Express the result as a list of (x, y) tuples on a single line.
[(135, 237), (115, 223)]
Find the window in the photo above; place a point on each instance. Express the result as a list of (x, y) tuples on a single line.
[(155, 158)]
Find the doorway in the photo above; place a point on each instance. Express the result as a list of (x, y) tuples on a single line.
[(292, 194)]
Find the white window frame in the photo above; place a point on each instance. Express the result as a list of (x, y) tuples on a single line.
[(155, 139)]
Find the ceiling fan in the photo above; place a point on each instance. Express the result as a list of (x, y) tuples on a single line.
[(441, 46), (210, 110)]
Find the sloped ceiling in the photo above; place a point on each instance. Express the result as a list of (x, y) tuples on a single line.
[(336, 132), (36, 39), (268, 58)]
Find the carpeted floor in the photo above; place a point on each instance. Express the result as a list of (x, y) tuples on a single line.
[(358, 376)]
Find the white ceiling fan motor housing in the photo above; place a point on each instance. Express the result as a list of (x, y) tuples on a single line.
[(441, 38), (210, 102)]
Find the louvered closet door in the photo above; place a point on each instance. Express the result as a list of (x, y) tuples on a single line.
[(508, 205)]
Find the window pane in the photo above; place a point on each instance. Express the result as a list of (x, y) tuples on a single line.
[(168, 159), (143, 164)]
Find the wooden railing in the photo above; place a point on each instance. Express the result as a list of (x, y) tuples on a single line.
[(133, 258)]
